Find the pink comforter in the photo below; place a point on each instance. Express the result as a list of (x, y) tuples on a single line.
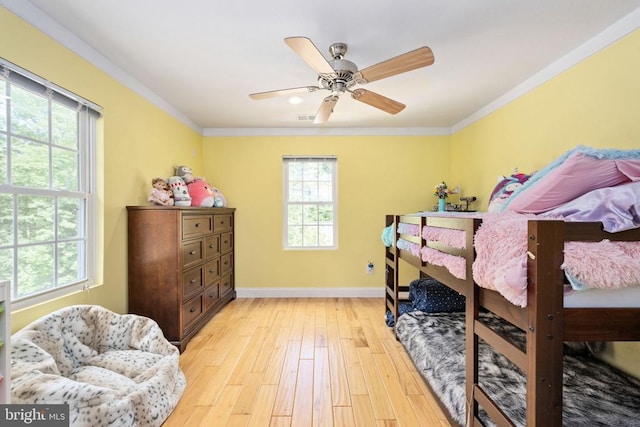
[(501, 261)]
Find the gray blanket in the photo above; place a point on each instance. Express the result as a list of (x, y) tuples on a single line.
[(594, 393)]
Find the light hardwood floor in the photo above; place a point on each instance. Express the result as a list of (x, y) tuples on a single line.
[(302, 362)]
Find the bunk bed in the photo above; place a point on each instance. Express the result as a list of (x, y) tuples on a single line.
[(535, 337)]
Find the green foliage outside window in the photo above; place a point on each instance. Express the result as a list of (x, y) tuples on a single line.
[(42, 210)]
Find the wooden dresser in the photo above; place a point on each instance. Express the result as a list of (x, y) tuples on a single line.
[(181, 266)]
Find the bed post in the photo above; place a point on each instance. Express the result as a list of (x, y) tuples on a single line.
[(545, 318), (471, 354)]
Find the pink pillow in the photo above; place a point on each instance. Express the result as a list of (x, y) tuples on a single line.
[(577, 175)]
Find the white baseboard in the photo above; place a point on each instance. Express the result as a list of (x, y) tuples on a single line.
[(310, 292)]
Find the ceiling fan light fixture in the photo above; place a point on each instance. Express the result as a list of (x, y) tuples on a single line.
[(295, 100), (339, 75)]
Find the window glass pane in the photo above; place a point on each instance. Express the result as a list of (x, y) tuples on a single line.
[(29, 163), (326, 171), (325, 236), (29, 114), (310, 214), (295, 235), (3, 105), (310, 171), (295, 191), (310, 191), (35, 219), (3, 159), (65, 169), (310, 235), (64, 126), (294, 214), (6, 220), (325, 191), (70, 218), (325, 214), (35, 269), (70, 262), (295, 171), (6, 264)]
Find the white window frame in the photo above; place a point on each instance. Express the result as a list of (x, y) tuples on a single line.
[(287, 202), (88, 116)]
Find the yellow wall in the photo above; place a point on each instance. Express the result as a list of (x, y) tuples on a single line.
[(377, 175), (595, 103), (139, 141)]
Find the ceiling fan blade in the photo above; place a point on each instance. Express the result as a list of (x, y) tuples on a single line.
[(310, 53), (415, 59), (325, 110), (283, 92), (378, 101)]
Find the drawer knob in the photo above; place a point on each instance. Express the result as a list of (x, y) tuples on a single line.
[(226, 241), (193, 281), (197, 224), (212, 271), (211, 246), (192, 253), (192, 310)]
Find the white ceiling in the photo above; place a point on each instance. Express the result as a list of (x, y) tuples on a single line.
[(199, 59)]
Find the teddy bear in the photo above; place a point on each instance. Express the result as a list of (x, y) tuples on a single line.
[(160, 193), (180, 191)]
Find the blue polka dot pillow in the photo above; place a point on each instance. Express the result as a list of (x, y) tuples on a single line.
[(430, 296)]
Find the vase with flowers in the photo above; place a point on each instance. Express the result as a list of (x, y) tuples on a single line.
[(442, 192)]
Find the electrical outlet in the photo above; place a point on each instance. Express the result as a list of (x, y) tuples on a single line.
[(370, 268)]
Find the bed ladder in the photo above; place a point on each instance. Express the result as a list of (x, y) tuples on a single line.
[(542, 320), (391, 299)]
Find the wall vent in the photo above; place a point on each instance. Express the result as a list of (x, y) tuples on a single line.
[(306, 117)]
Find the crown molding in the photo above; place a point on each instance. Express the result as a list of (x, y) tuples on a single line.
[(613, 33)]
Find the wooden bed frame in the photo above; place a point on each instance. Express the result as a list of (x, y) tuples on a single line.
[(545, 320)]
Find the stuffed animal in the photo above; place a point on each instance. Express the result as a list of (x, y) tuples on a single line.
[(505, 187), (185, 173), (180, 191), (160, 193), (201, 193), (219, 201)]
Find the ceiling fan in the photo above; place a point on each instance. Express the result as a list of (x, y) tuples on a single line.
[(339, 75)]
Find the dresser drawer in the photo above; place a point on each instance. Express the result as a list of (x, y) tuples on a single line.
[(191, 311), (225, 285), (211, 271), (191, 253), (196, 225), (211, 246), (222, 223), (211, 295), (226, 242), (192, 280), (226, 263)]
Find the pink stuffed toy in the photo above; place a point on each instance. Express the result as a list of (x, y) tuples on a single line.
[(505, 188), (201, 193)]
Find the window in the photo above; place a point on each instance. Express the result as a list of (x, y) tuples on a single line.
[(310, 203), (47, 199)]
